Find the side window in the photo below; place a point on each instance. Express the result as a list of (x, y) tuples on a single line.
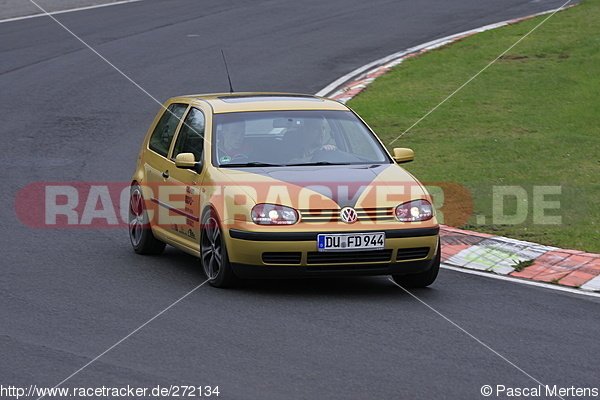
[(160, 141), (191, 135)]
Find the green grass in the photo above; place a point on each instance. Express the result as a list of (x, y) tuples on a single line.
[(521, 265), (531, 120)]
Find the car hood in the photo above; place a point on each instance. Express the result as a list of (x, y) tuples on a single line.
[(348, 185)]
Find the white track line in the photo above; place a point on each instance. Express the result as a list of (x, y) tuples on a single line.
[(68, 11)]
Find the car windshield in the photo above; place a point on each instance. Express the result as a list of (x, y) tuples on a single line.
[(280, 138)]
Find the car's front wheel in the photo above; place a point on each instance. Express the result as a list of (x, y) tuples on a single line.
[(213, 253), (421, 279), (140, 233)]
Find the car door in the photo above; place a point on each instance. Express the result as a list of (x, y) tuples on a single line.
[(158, 168), (184, 183)]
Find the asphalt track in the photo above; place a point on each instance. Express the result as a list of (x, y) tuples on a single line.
[(66, 296)]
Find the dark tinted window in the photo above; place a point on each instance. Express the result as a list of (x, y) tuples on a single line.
[(161, 138), (191, 135)]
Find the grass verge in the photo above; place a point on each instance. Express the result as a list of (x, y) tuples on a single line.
[(523, 137)]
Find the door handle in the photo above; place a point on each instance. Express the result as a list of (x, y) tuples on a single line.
[(165, 174)]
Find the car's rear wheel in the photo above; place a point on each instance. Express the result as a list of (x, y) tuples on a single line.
[(140, 233), (213, 253), (421, 279)]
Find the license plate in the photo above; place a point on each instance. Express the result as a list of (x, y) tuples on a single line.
[(351, 241)]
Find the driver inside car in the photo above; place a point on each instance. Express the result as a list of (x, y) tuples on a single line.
[(312, 141), (231, 144)]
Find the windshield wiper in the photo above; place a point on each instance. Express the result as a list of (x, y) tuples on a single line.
[(251, 164)]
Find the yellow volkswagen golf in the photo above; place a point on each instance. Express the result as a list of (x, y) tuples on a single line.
[(261, 185)]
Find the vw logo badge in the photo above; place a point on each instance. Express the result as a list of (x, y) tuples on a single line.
[(348, 215)]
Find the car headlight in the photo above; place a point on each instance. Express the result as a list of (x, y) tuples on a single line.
[(274, 214), (414, 211)]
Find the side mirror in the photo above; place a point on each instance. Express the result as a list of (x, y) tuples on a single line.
[(402, 155), (188, 161)]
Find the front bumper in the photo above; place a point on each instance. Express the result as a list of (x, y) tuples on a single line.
[(294, 254)]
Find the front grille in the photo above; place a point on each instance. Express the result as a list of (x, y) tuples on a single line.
[(376, 214), (412, 254), (317, 257), (282, 258), (333, 215), (318, 216)]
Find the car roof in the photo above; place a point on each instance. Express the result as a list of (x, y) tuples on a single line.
[(239, 102)]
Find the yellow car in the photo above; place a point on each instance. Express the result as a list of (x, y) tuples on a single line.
[(261, 185)]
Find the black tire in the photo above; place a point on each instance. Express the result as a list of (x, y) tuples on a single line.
[(421, 279), (140, 233), (213, 253)]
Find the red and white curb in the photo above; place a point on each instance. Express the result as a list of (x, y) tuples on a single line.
[(520, 259), (550, 266)]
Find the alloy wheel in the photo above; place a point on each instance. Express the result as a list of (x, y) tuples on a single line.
[(211, 248), (136, 216)]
